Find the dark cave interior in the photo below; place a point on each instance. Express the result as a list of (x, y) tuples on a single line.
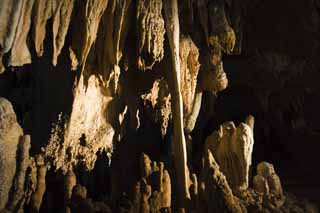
[(275, 78)]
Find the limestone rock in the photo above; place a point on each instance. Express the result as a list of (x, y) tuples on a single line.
[(232, 147), (112, 34), (212, 76), (151, 32), (215, 24), (189, 63), (61, 20), (172, 24), (10, 134), (42, 13), (70, 182), (146, 194), (160, 99), (267, 171), (20, 53), (145, 166), (79, 192), (89, 14), (160, 96), (215, 189), (275, 195), (81, 203), (86, 132), (17, 195), (10, 12), (261, 184), (36, 199), (153, 191)]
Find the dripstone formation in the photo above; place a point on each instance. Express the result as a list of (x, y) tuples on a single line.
[(110, 106)]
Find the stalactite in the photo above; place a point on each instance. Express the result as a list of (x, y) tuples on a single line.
[(184, 45), (9, 15), (173, 31), (42, 13), (61, 20), (20, 53), (151, 32)]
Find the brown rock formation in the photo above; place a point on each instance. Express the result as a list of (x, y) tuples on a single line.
[(150, 33), (20, 53), (18, 195), (215, 189), (153, 191), (10, 14), (10, 134), (233, 148), (89, 126)]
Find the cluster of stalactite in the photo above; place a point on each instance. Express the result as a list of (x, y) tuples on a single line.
[(132, 58)]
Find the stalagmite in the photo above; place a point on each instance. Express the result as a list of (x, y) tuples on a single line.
[(10, 133), (261, 184), (232, 147), (17, 195), (145, 195), (266, 171), (70, 182), (36, 199), (154, 177), (89, 127), (180, 152), (217, 194)]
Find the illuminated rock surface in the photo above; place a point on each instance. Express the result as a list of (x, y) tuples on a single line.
[(140, 106)]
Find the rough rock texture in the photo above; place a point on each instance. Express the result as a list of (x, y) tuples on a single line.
[(209, 61), (9, 15), (87, 131), (70, 183), (42, 13), (37, 196), (180, 149), (20, 53), (232, 147), (112, 35), (17, 194), (215, 189), (10, 134), (155, 187), (160, 97), (89, 13), (271, 185), (61, 20), (150, 33), (189, 63), (212, 76)]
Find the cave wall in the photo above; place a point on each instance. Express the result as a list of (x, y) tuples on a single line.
[(96, 76)]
